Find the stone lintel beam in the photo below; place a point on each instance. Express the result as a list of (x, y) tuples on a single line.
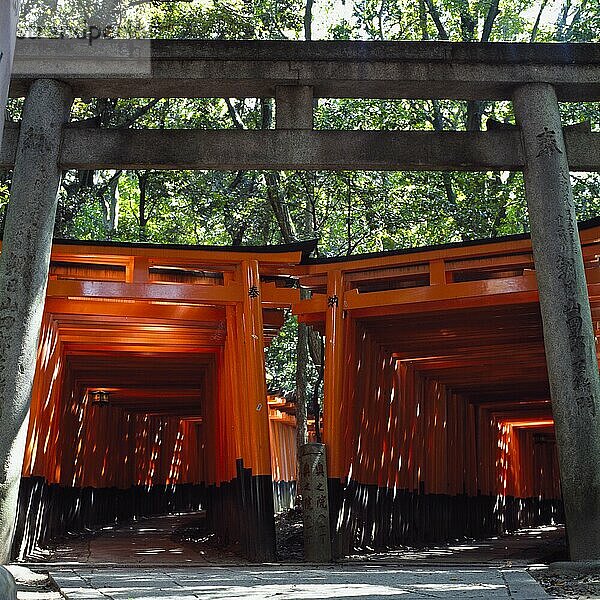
[(294, 107), (89, 148), (24, 264), (336, 69), (567, 324)]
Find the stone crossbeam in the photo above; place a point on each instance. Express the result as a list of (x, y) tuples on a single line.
[(89, 148), (335, 69)]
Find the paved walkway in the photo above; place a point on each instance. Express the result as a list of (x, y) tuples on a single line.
[(144, 560), (144, 542), (295, 583)]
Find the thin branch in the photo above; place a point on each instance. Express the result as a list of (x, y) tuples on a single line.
[(536, 25), (380, 18), (576, 18), (239, 177), (562, 20), (140, 112), (438, 119), (234, 114), (435, 15), (492, 13), (361, 239), (100, 190), (423, 20)]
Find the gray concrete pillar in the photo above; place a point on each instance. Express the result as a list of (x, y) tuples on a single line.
[(567, 323), (9, 14), (294, 107), (315, 503), (8, 587), (23, 278)]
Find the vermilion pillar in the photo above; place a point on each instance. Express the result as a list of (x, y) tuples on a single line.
[(333, 381), (254, 470)]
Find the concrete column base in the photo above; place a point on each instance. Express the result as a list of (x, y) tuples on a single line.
[(8, 587)]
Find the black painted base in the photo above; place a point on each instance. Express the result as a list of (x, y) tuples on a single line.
[(242, 510), (50, 511), (379, 518)]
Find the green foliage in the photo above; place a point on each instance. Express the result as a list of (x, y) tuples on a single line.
[(280, 358)]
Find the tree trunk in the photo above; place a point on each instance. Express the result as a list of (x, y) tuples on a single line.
[(308, 20), (143, 216), (110, 204), (279, 207), (301, 383)]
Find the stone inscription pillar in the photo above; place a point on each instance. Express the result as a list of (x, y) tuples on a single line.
[(23, 278), (315, 505), (568, 331), (9, 14)]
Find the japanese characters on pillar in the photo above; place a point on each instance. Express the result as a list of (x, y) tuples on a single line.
[(567, 321), (24, 266), (315, 504)]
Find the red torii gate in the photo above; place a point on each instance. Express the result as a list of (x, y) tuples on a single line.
[(151, 375), (436, 389)]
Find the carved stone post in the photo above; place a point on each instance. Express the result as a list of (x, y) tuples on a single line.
[(315, 503), (9, 13), (568, 331), (23, 278)]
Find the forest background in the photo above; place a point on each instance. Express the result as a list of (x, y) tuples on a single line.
[(347, 212)]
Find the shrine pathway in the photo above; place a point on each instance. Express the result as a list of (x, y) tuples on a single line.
[(144, 560)]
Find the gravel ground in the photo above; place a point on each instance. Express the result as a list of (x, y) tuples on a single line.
[(568, 585)]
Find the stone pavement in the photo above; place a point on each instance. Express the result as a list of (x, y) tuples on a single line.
[(146, 560), (295, 582)]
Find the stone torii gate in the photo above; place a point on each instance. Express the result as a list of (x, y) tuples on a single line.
[(534, 76)]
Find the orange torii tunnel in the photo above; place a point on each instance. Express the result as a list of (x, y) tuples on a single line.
[(150, 393), (437, 416)]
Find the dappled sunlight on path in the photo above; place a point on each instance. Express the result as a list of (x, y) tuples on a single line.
[(524, 547), (153, 541), (299, 582), (146, 560)]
